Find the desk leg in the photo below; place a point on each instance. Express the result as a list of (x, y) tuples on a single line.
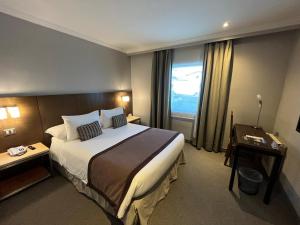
[(234, 167), (273, 178)]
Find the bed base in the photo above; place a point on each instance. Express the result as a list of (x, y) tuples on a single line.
[(137, 213)]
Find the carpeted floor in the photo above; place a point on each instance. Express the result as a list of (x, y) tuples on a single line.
[(199, 197)]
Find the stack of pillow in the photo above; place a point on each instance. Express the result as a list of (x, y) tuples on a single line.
[(88, 126)]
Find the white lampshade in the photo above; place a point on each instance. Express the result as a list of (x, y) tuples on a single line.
[(13, 111), (3, 113), (125, 98)]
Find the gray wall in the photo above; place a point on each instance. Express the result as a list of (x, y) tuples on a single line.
[(37, 60), (286, 122), (259, 67), (141, 66)]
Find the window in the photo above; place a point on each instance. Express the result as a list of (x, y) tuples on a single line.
[(186, 81)]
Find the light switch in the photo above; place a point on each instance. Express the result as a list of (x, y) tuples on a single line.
[(9, 131)]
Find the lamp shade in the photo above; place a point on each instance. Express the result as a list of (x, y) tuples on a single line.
[(125, 98), (13, 111), (3, 113)]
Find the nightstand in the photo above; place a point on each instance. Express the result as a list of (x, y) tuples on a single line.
[(20, 172), (133, 119)]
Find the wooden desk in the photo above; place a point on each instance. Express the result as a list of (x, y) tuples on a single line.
[(239, 131)]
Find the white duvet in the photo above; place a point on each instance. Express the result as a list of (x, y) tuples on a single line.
[(74, 156)]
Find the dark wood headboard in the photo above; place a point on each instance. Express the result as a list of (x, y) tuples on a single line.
[(38, 113), (28, 126)]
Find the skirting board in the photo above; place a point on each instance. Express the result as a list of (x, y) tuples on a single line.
[(291, 193)]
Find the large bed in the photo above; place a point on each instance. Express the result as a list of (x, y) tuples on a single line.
[(149, 185), (146, 187)]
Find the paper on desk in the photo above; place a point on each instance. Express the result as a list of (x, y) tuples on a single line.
[(255, 138)]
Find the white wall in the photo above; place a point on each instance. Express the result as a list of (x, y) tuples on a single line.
[(286, 122), (188, 55), (259, 66), (38, 60), (184, 126)]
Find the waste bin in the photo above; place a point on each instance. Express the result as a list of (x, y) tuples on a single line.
[(249, 180)]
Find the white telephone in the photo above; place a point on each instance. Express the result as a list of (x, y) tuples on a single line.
[(20, 150)]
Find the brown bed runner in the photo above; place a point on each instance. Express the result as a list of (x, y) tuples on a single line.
[(111, 171)]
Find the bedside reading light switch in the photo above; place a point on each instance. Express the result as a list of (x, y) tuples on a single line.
[(9, 131)]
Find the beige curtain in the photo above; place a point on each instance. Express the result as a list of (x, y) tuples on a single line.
[(161, 89), (214, 98)]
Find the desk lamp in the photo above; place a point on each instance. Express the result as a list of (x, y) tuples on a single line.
[(258, 96)]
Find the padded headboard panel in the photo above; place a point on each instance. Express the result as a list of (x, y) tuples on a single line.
[(28, 126), (41, 112)]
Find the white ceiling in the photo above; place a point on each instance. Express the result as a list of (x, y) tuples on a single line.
[(134, 26)]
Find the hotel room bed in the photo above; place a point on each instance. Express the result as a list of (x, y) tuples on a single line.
[(148, 186)]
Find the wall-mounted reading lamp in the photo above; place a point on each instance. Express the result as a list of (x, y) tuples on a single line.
[(12, 112), (125, 99), (3, 113)]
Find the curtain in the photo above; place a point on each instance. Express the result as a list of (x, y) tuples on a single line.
[(217, 70), (161, 89)]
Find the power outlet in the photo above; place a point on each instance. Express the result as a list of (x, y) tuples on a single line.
[(9, 131)]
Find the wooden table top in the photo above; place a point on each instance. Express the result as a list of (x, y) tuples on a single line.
[(240, 130), (132, 118), (6, 159)]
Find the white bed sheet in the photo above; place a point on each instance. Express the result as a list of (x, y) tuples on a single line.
[(74, 156)]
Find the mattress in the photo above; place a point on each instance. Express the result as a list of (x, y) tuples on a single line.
[(74, 156)]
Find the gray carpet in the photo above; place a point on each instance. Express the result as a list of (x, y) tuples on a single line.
[(199, 197)]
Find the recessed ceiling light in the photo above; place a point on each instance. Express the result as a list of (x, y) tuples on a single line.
[(225, 25)]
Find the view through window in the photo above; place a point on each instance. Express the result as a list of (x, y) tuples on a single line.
[(185, 90)]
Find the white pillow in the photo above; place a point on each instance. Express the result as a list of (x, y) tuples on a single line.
[(106, 116), (72, 122), (58, 131)]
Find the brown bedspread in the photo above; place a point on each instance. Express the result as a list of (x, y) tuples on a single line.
[(111, 171)]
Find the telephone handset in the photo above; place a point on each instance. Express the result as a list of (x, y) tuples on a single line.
[(16, 151)]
